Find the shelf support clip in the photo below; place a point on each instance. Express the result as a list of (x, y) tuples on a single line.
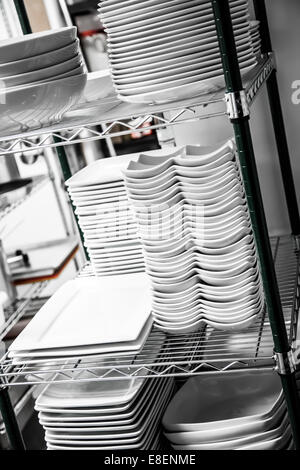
[(236, 104), (285, 363)]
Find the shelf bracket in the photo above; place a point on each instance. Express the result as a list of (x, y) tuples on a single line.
[(285, 363), (236, 104)]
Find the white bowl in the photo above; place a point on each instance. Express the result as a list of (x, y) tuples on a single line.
[(224, 400), (43, 74), (31, 45), (40, 61), (39, 105), (263, 438)]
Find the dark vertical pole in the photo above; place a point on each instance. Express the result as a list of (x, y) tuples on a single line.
[(62, 156), (66, 171), (23, 17), (278, 122), (248, 165), (10, 420)]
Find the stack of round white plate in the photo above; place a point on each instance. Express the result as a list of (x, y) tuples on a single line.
[(194, 225), (240, 411), (168, 50), (255, 37), (110, 415), (41, 77)]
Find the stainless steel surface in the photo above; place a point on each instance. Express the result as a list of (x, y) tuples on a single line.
[(285, 363), (206, 351), (86, 116)]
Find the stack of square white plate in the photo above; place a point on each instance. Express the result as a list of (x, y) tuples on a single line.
[(42, 76), (168, 50), (106, 217), (239, 411), (255, 37), (103, 317), (110, 415), (194, 225)]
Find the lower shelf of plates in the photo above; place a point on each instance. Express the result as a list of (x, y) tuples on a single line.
[(206, 351)]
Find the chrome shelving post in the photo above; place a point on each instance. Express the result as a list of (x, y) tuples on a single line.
[(239, 116), (278, 122), (61, 153)]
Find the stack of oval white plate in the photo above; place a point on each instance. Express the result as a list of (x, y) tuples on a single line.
[(168, 50), (255, 37), (111, 415), (239, 411), (194, 225), (41, 77)]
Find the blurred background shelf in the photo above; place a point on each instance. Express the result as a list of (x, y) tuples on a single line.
[(46, 262)]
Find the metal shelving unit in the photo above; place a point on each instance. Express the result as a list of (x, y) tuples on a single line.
[(111, 110), (206, 351)]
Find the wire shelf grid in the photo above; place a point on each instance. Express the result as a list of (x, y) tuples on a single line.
[(82, 123), (206, 351)]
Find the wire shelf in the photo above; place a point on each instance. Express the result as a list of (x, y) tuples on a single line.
[(80, 124), (206, 351)]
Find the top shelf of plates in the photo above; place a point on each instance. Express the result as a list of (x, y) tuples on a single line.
[(84, 122)]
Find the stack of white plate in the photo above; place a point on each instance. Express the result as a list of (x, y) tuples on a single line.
[(194, 225), (110, 316), (41, 75), (255, 37), (106, 217), (111, 415), (240, 411), (168, 50)]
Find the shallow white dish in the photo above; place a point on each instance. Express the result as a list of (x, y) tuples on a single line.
[(41, 61), (36, 43), (100, 351), (206, 403), (208, 42), (255, 439), (59, 323), (44, 74), (182, 91), (182, 25), (164, 20), (142, 404), (105, 173)]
